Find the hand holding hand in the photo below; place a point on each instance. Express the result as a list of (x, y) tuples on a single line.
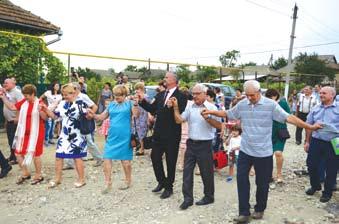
[(90, 114), (169, 103), (42, 107), (316, 126), (306, 147)]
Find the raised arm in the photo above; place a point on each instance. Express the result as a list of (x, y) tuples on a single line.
[(8, 104), (298, 122), (44, 111), (217, 113), (173, 102)]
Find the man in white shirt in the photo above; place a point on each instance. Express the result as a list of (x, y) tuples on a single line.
[(305, 104)]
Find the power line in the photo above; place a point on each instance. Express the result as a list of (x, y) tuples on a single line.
[(270, 9), (269, 51)]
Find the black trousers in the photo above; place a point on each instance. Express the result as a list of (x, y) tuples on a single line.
[(298, 132), (263, 167), (199, 152), (322, 151), (11, 128), (3, 161), (171, 149)]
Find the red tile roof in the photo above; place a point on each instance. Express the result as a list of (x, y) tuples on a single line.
[(16, 18)]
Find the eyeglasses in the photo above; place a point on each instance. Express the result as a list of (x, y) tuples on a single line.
[(196, 93)]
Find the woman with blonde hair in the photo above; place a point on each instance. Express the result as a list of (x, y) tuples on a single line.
[(29, 135), (118, 143), (71, 143)]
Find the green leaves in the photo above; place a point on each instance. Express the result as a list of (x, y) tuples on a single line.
[(25, 59)]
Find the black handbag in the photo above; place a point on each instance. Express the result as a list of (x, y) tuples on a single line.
[(86, 126), (135, 142), (283, 134)]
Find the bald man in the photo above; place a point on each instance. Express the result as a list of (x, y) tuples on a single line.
[(14, 95), (318, 144)]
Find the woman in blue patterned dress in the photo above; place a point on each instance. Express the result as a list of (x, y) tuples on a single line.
[(141, 121), (71, 143), (118, 142)]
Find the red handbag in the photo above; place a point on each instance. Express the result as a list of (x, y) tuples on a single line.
[(220, 159)]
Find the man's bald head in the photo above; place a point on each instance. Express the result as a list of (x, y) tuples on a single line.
[(327, 95), (9, 84)]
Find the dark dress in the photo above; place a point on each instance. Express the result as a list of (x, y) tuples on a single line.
[(278, 145)]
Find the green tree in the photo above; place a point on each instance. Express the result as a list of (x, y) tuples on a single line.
[(111, 71), (88, 73), (183, 73), (145, 73), (130, 68), (206, 74), (279, 63), (26, 58), (228, 59), (251, 63), (310, 64)]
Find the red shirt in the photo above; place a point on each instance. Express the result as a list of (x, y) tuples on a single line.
[(39, 145)]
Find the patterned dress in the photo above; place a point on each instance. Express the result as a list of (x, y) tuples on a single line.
[(141, 123), (71, 143)]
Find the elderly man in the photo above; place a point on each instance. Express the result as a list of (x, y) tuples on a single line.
[(305, 104), (199, 144), (256, 114), (167, 133), (318, 144), (14, 95)]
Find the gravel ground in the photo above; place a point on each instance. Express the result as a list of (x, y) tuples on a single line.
[(36, 204)]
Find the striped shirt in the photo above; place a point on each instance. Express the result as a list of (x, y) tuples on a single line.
[(256, 123)]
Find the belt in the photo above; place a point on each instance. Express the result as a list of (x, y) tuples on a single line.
[(199, 141)]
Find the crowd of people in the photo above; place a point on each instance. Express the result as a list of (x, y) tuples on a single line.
[(189, 126)]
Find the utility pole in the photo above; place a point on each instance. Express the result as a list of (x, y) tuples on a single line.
[(287, 83)]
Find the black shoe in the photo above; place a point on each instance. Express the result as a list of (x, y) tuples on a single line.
[(324, 198), (166, 194), (158, 188), (298, 142), (257, 215), (5, 171), (334, 188), (311, 191), (185, 205), (204, 201)]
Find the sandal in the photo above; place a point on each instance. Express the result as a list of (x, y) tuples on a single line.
[(107, 189), (22, 179), (36, 181), (53, 184), (79, 184), (124, 187)]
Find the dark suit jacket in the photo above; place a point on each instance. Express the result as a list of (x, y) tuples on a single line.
[(165, 128)]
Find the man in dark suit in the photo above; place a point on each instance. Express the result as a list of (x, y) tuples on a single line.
[(167, 133)]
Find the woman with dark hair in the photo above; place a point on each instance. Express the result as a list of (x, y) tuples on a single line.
[(53, 96), (106, 94), (29, 135), (278, 143)]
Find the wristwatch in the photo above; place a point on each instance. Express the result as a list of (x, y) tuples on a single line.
[(209, 117)]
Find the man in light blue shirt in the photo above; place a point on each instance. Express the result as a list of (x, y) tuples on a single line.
[(318, 143), (256, 114), (201, 131)]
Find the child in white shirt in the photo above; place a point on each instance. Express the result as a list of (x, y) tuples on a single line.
[(233, 143)]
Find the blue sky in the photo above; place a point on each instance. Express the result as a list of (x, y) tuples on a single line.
[(187, 31)]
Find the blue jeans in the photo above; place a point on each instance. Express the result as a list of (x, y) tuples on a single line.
[(49, 129), (322, 150), (263, 167)]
